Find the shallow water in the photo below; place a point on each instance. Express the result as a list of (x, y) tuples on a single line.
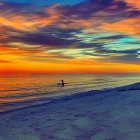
[(18, 91)]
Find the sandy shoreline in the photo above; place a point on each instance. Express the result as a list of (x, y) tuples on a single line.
[(113, 115)]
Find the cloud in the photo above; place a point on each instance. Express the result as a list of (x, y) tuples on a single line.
[(94, 29), (126, 58), (50, 37), (133, 3), (126, 26), (5, 61)]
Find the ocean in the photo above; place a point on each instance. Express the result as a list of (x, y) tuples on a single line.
[(23, 90)]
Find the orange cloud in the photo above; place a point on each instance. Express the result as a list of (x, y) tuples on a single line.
[(127, 26), (5, 61), (29, 22), (13, 51), (133, 3), (16, 21), (53, 16)]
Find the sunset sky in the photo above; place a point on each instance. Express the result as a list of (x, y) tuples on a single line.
[(70, 36)]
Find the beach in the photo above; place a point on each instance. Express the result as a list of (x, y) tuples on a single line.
[(111, 114), (70, 70)]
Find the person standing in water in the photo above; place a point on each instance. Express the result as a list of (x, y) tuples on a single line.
[(62, 83)]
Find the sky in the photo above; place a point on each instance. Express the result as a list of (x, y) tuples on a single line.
[(70, 36)]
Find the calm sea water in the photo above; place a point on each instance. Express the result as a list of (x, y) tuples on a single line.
[(18, 91)]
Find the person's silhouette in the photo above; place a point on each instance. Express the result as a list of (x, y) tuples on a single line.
[(62, 83)]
